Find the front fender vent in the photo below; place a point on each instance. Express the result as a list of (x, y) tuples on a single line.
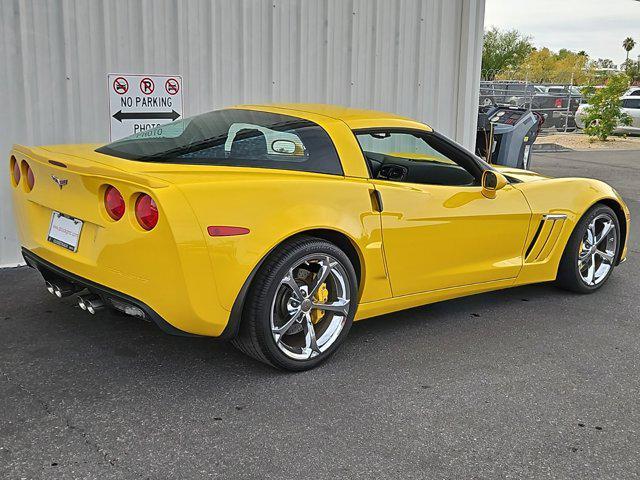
[(545, 239)]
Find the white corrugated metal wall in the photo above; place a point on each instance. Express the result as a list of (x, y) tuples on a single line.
[(420, 58)]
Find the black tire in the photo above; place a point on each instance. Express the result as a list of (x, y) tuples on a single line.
[(255, 336), (569, 277)]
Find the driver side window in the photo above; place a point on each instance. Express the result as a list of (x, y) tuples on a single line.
[(414, 158)]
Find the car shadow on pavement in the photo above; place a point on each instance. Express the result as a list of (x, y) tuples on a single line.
[(54, 331)]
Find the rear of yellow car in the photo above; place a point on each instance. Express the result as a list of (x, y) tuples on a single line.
[(170, 225), (249, 213), (84, 223)]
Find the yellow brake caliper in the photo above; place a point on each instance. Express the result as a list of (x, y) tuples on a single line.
[(321, 296)]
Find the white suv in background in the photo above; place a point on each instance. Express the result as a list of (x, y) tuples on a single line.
[(630, 105), (632, 92)]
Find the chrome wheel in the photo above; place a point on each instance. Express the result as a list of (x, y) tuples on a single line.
[(310, 307), (597, 251)]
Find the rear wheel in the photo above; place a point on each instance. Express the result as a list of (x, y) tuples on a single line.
[(300, 306), (591, 252)]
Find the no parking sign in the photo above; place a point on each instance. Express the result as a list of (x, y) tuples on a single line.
[(139, 102)]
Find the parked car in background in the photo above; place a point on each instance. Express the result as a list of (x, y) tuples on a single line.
[(563, 89), (633, 92), (630, 105), (559, 103), (507, 93)]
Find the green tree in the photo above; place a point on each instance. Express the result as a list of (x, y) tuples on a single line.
[(628, 44), (503, 50), (604, 112), (546, 66), (632, 69), (604, 63)]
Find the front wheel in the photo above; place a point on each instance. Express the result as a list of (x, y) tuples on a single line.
[(591, 252), (300, 306)]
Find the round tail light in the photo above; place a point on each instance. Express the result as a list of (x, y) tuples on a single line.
[(15, 170), (114, 203), (31, 179), (146, 212)]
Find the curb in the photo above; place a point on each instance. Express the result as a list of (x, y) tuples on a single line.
[(549, 147)]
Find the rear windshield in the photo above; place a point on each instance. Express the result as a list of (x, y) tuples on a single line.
[(234, 137)]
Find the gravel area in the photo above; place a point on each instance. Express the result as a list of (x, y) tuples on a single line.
[(580, 141)]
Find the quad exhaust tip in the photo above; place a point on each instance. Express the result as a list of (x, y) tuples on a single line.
[(90, 303), (59, 290)]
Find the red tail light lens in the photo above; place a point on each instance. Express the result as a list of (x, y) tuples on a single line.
[(558, 103), (114, 203), (31, 179), (15, 170), (146, 211)]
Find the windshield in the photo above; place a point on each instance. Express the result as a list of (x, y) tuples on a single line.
[(234, 137)]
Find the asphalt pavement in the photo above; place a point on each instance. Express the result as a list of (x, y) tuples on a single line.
[(532, 382)]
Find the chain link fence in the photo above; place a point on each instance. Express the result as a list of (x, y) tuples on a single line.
[(556, 102)]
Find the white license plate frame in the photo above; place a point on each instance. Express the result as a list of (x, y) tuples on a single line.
[(64, 231)]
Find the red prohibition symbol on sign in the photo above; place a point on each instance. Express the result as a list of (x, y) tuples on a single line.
[(147, 86), (172, 86), (120, 85)]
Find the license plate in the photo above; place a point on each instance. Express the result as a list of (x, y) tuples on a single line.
[(65, 231)]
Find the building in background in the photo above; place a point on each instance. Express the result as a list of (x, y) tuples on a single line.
[(420, 58)]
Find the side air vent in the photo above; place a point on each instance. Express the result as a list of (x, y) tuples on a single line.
[(545, 238)]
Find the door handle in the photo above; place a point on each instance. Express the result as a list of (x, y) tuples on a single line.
[(376, 200)]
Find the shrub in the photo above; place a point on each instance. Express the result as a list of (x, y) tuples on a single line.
[(604, 112)]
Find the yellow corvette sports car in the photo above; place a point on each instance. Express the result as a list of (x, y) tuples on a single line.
[(277, 226)]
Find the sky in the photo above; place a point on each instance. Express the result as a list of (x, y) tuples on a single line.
[(595, 26)]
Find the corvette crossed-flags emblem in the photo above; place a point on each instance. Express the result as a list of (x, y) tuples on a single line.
[(61, 182)]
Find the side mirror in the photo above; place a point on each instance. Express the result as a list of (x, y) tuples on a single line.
[(492, 181)]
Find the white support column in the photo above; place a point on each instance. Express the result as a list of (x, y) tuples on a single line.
[(471, 37)]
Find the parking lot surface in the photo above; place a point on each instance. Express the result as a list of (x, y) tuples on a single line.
[(532, 382)]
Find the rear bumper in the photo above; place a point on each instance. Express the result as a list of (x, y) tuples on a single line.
[(51, 272), (168, 269)]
